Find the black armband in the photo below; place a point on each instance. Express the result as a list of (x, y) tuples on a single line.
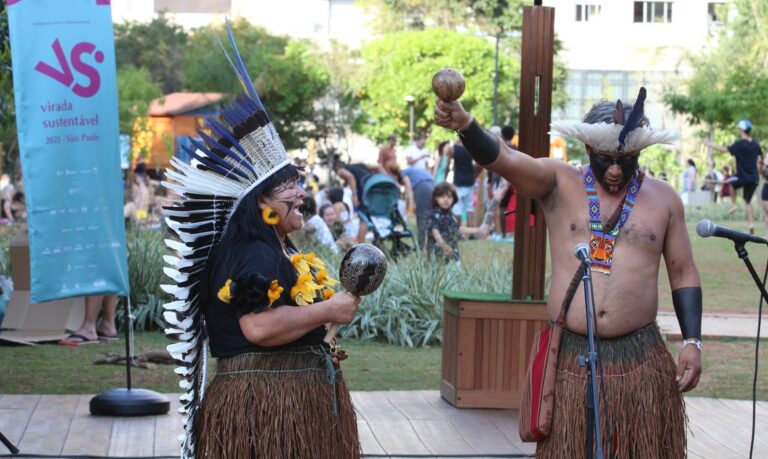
[(482, 146), (687, 303)]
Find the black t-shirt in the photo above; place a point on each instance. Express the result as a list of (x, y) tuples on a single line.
[(264, 262), (463, 170), (361, 173), (746, 153)]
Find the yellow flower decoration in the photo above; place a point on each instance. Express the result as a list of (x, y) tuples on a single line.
[(225, 293), (274, 292), (301, 265), (328, 294), (313, 261), (323, 279), (305, 290), (270, 216)]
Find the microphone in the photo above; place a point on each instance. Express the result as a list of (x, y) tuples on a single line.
[(706, 228), (581, 251)]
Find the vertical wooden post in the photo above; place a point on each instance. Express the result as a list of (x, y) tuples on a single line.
[(535, 116)]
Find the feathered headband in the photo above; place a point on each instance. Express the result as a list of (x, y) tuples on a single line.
[(624, 136), (240, 153)]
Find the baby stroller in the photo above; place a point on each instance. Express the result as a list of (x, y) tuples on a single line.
[(379, 211)]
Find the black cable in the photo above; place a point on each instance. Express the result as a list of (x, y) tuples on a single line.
[(757, 361)]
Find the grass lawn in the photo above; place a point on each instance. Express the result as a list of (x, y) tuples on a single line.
[(53, 369)]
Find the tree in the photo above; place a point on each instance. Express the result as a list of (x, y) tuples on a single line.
[(730, 79), (287, 76), (8, 140), (156, 46), (402, 64), (399, 15), (135, 90)]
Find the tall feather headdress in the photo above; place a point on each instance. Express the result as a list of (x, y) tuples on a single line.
[(626, 135), (241, 153)]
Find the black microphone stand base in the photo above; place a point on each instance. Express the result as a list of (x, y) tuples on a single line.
[(129, 402)]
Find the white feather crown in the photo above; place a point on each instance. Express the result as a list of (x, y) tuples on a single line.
[(604, 137)]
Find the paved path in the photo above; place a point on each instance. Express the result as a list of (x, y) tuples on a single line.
[(718, 325), (401, 423)]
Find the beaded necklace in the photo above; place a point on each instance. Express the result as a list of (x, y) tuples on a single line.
[(601, 243)]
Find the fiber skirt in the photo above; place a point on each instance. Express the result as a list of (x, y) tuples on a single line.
[(645, 415), (285, 404)]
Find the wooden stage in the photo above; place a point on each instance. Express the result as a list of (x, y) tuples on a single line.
[(417, 423)]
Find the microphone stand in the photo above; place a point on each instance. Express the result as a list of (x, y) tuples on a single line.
[(742, 253), (590, 362)]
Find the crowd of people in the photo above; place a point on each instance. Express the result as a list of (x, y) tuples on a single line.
[(443, 190)]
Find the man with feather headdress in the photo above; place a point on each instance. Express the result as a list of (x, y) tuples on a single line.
[(630, 222)]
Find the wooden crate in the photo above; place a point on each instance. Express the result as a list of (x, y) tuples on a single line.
[(487, 340)]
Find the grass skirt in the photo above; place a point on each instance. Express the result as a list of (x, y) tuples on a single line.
[(286, 404), (646, 413)]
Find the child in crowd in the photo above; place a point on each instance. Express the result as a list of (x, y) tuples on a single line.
[(444, 230), (316, 226)]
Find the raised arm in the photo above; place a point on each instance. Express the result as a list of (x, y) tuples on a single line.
[(532, 177), (719, 148), (686, 293)]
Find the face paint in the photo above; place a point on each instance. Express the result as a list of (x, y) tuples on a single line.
[(289, 199), (601, 164)]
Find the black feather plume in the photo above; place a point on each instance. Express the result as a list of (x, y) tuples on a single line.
[(634, 118)]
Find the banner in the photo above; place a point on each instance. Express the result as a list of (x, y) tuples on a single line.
[(65, 91)]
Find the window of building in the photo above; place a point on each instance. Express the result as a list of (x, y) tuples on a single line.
[(660, 12), (586, 12)]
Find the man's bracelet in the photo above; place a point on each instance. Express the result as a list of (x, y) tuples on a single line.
[(696, 342), (461, 130)]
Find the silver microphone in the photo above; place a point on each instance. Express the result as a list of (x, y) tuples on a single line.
[(581, 251)]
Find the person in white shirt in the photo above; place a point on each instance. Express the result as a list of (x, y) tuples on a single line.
[(316, 226), (416, 155)]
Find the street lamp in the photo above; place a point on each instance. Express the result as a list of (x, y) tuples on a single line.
[(410, 100)]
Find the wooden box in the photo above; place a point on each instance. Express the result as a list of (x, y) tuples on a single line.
[(487, 340)]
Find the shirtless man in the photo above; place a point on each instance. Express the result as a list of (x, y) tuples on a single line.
[(641, 385)]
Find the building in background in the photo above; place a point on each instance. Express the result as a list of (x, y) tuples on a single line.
[(317, 20)]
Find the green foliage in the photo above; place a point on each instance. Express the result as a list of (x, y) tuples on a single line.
[(156, 46), (135, 90), (145, 274), (8, 140), (287, 76), (730, 78), (408, 308), (403, 63), (658, 159)]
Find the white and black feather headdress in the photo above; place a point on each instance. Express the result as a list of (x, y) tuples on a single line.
[(240, 153), (626, 135)]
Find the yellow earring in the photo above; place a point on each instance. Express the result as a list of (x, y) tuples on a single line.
[(270, 216)]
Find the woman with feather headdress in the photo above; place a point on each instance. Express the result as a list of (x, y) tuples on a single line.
[(244, 288)]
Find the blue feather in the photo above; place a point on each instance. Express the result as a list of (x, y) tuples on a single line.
[(239, 160), (221, 131), (634, 117), (242, 72), (214, 165)]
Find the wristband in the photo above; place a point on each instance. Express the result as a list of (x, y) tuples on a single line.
[(482, 146), (687, 303)]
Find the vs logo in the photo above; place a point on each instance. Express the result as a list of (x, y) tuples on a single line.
[(64, 74)]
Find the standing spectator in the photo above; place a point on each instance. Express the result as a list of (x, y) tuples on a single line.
[(443, 163), (690, 177), (726, 189), (387, 151), (717, 182), (416, 155), (748, 154), (464, 180), (422, 185), (89, 332)]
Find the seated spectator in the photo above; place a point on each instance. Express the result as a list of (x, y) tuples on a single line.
[(316, 226)]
